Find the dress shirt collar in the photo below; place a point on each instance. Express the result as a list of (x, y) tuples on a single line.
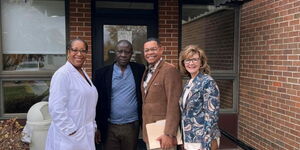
[(152, 68)]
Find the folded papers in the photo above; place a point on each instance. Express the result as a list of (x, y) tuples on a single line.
[(156, 129)]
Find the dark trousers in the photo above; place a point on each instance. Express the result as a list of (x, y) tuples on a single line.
[(122, 137)]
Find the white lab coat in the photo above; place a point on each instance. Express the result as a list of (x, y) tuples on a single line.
[(72, 106)]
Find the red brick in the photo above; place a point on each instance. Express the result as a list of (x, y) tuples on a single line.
[(269, 63), (80, 24), (277, 36)]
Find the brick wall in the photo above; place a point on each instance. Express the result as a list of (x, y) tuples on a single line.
[(215, 34), (168, 29), (80, 26), (269, 109)]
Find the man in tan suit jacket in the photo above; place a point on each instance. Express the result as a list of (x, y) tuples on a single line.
[(161, 90)]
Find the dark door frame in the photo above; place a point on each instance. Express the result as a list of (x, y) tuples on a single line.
[(106, 16)]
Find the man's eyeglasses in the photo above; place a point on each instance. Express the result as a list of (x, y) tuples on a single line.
[(153, 49), (82, 51), (192, 60), (123, 51)]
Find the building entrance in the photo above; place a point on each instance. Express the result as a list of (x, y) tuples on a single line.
[(114, 21)]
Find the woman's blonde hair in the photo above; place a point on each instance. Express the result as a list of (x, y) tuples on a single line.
[(188, 52)]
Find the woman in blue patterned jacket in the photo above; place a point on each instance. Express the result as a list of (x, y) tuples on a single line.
[(199, 103)]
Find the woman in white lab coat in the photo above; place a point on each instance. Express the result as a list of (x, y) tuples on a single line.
[(72, 103)]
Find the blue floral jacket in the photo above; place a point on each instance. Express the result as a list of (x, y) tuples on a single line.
[(200, 114)]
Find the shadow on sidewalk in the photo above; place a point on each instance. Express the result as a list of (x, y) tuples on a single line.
[(141, 145)]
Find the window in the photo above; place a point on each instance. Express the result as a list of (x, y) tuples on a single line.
[(19, 95), (33, 41), (133, 33), (214, 29)]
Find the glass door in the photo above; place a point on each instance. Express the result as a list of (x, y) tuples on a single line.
[(135, 34), (134, 21)]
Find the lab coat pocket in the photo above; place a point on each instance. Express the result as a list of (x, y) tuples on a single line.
[(79, 135), (76, 141)]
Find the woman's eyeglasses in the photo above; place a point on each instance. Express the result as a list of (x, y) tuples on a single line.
[(82, 51), (192, 60)]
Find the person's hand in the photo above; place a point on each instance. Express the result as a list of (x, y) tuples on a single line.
[(97, 136), (166, 141)]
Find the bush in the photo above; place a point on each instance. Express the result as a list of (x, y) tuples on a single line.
[(10, 135)]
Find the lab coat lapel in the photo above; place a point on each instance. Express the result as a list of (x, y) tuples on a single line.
[(77, 75)]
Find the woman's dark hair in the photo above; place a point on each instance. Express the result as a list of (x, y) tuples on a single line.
[(69, 45)]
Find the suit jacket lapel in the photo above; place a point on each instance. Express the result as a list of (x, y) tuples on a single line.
[(194, 89), (153, 77), (182, 106), (142, 84), (109, 80)]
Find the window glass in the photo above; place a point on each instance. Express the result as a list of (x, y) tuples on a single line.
[(212, 28), (33, 46), (226, 93), (136, 35), (33, 62), (33, 34), (20, 95)]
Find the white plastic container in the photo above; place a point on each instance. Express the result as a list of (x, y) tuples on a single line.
[(38, 122)]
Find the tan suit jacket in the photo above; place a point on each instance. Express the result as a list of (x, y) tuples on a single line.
[(161, 100)]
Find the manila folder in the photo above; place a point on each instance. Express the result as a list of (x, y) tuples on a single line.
[(156, 129)]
